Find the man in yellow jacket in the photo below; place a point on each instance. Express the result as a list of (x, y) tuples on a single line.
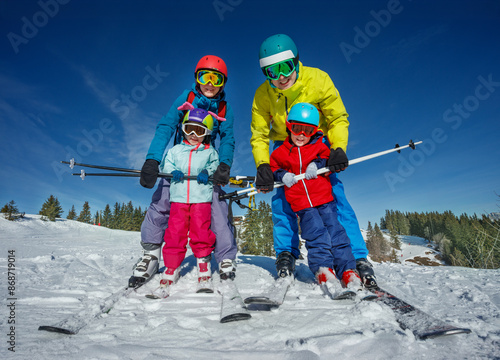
[(288, 83)]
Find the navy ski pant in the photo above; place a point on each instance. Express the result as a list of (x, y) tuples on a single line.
[(327, 243), (156, 221)]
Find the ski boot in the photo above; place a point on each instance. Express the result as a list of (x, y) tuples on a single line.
[(328, 282), (147, 265), (204, 275), (365, 270), (169, 277), (351, 280), (285, 264), (227, 268)]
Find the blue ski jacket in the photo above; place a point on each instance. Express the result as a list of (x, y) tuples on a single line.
[(170, 125)]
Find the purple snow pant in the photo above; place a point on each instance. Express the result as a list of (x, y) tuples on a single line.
[(156, 221)]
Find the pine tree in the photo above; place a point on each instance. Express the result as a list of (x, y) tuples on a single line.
[(256, 236), (11, 211), (96, 218), (267, 240), (395, 242), (85, 215), (106, 216), (383, 245), (127, 217), (71, 214), (51, 209), (371, 242), (116, 218), (138, 218)]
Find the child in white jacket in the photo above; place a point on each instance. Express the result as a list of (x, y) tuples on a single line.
[(190, 199)]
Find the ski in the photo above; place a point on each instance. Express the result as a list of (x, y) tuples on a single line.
[(423, 325), (232, 306), (275, 296), (206, 287), (73, 324), (161, 292), (347, 294)]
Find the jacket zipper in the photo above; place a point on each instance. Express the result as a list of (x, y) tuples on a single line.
[(303, 181), (189, 170)]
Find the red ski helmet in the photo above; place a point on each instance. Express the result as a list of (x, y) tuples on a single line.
[(212, 62)]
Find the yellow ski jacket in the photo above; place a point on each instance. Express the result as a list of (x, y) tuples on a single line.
[(271, 106)]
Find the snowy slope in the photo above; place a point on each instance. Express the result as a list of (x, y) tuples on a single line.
[(65, 267)]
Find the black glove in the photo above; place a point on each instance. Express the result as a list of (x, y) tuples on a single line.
[(149, 173), (338, 160), (221, 175), (265, 178)]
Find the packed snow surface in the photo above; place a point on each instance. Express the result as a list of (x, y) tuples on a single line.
[(65, 267)]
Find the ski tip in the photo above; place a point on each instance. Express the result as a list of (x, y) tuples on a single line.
[(235, 317), (263, 300), (346, 295), (369, 297), (56, 330), (444, 332), (205, 291)]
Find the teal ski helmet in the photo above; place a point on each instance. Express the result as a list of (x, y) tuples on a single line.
[(277, 48), (304, 113)]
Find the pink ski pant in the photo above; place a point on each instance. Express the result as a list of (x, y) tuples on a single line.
[(188, 218)]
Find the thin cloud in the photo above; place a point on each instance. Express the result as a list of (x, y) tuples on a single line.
[(138, 125)]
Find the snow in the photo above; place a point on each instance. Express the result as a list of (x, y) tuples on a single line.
[(65, 267)]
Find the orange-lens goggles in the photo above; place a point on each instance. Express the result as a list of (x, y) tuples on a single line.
[(198, 130), (206, 76), (297, 129)]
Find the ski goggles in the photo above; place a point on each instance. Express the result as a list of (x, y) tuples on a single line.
[(285, 68), (297, 129), (208, 76), (198, 130)]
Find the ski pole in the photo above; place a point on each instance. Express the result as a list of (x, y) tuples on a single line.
[(239, 180), (231, 183), (83, 174), (72, 164), (252, 191)]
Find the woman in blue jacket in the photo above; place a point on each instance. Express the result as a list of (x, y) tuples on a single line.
[(207, 93)]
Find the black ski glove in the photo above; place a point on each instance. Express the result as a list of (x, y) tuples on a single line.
[(221, 175), (337, 161), (265, 178), (149, 173)]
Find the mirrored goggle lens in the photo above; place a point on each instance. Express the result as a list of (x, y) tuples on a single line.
[(198, 130), (285, 68), (297, 129), (204, 77)]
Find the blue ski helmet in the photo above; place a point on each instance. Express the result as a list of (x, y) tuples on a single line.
[(304, 113), (200, 116), (277, 48)]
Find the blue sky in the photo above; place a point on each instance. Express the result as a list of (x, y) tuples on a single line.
[(91, 79)]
